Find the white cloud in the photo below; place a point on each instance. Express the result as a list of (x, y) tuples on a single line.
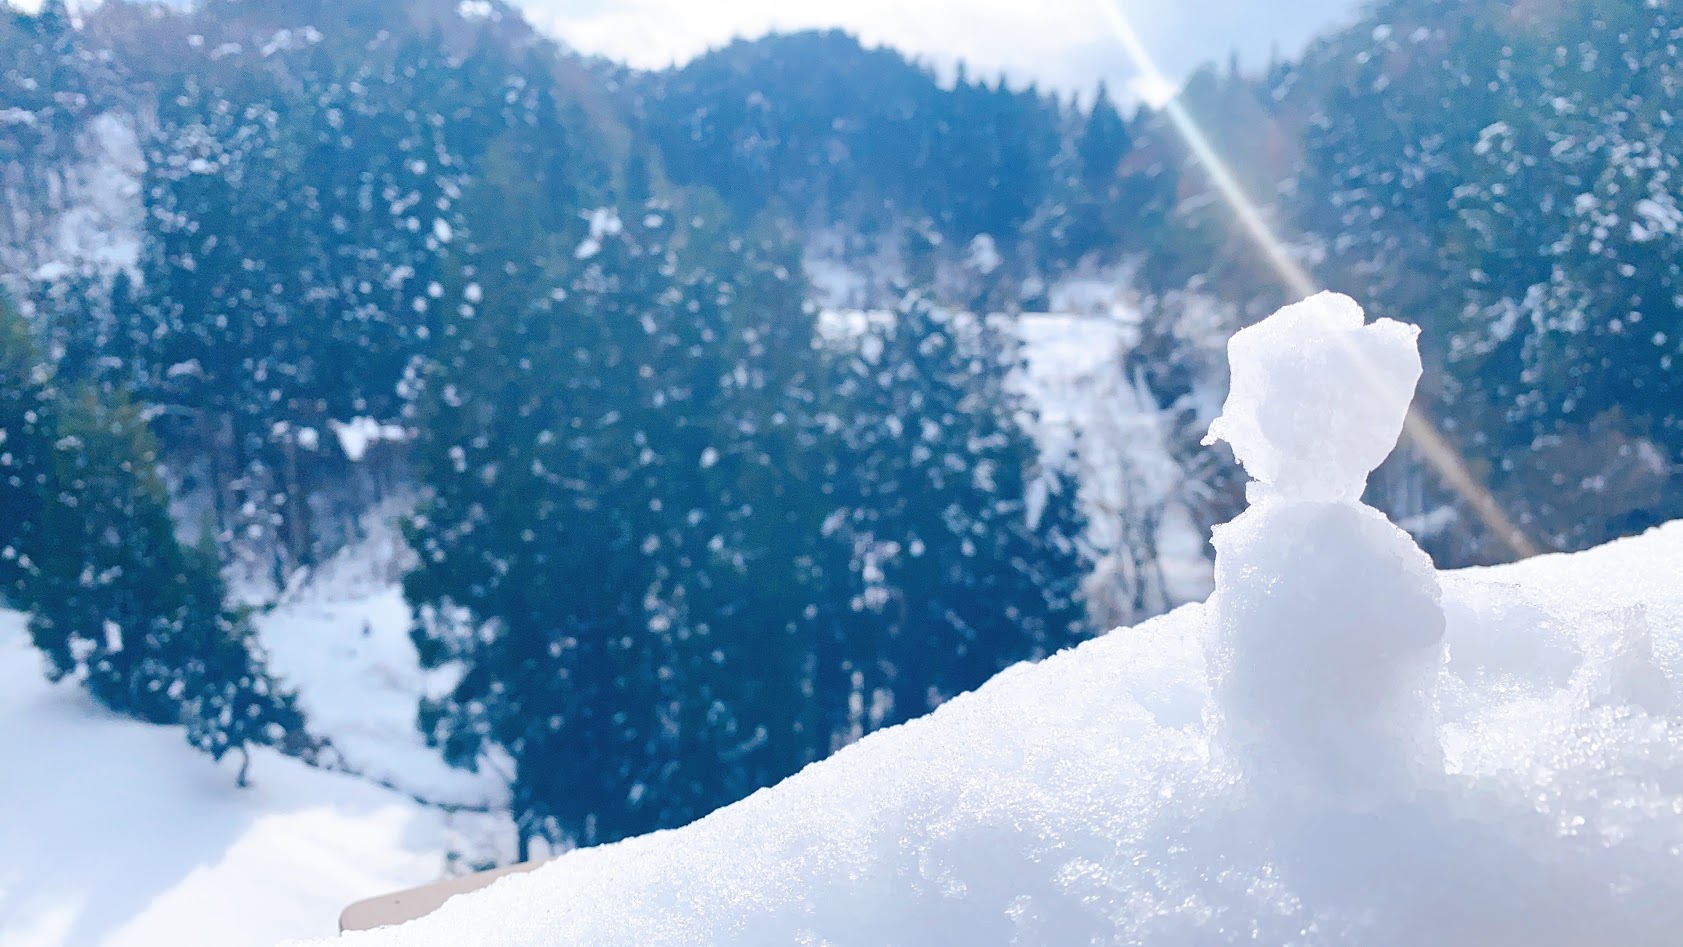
[(1061, 43)]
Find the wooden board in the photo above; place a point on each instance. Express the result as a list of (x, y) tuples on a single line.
[(405, 906)]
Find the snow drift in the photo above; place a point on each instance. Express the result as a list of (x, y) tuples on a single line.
[(1342, 747)]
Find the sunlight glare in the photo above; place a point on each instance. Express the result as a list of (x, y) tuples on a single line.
[(1418, 429)]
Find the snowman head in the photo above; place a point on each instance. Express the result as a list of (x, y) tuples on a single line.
[(1318, 399)]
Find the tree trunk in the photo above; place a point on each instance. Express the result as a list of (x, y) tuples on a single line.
[(297, 507), (220, 437)]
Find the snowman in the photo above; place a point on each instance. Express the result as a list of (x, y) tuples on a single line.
[(1327, 618)]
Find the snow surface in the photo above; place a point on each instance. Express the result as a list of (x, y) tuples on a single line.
[(112, 832), (359, 681), (358, 434), (1106, 428), (118, 833), (82, 217), (1342, 747)]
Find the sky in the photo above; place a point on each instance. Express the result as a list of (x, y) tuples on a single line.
[(1064, 44), (1069, 45)]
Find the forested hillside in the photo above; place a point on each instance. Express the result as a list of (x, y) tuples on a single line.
[(699, 395)]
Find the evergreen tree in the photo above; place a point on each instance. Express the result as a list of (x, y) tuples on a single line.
[(292, 273), (1568, 218), (965, 562), (117, 601), (616, 547), (229, 701), (843, 134), (1103, 143), (25, 451), (304, 205)]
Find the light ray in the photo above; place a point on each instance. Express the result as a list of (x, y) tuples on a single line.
[(1417, 428)]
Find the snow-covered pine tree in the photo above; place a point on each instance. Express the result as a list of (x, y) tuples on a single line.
[(1395, 107), (115, 599), (1506, 183), (745, 575), (1570, 214), (1088, 207), (61, 85), (1102, 144), (25, 451), (617, 548), (963, 567), (292, 272)]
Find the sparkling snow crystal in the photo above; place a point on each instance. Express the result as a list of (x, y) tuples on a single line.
[(1342, 747)]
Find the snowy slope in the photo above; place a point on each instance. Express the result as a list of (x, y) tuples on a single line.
[(114, 832), (1061, 772), (81, 217), (1108, 430), (348, 654), (1039, 757)]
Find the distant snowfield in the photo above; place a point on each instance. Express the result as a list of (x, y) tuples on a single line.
[(1090, 420), (117, 833), (358, 678), (340, 638), (1109, 431)]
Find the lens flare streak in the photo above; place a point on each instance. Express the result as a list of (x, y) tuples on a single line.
[(1417, 429)]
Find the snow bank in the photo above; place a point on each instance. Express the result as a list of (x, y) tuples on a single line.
[(1342, 747)]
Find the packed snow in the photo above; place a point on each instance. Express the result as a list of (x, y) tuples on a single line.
[(1326, 618), (1342, 747), (1317, 399)]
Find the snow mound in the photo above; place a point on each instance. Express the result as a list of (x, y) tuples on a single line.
[(1342, 747)]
